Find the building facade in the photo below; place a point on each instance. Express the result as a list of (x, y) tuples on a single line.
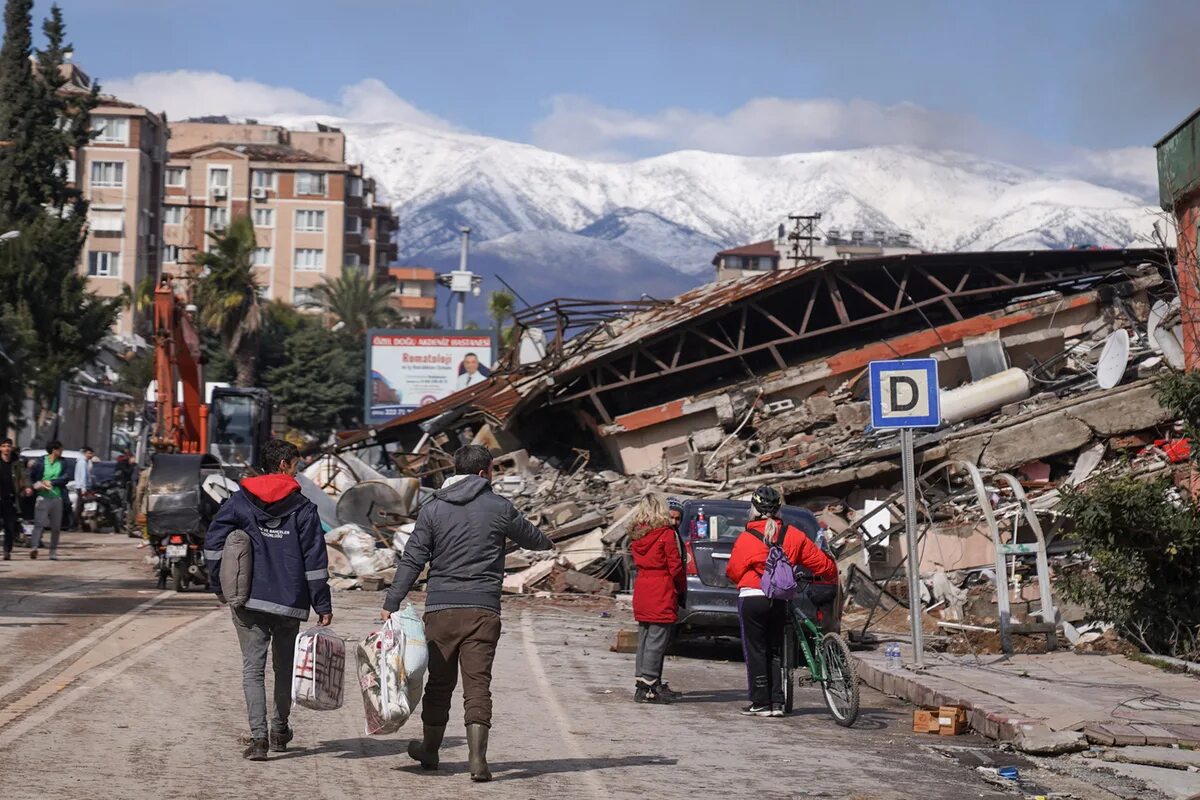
[(120, 173), (314, 214), (414, 294), (773, 254)]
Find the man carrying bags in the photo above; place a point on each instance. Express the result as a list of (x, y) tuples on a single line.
[(460, 533)]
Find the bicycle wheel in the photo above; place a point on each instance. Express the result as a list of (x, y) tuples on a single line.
[(840, 686), (787, 672)]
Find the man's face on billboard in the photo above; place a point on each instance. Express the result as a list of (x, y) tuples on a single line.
[(471, 364)]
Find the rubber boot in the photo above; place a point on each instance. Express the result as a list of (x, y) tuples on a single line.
[(477, 742), (425, 750)]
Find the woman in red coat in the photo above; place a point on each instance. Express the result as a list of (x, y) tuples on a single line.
[(656, 591)]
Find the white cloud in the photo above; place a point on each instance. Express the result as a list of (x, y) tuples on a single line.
[(187, 93), (770, 126)]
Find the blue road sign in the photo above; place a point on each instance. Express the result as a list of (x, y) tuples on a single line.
[(904, 394)]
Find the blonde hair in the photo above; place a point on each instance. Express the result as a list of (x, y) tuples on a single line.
[(652, 512)]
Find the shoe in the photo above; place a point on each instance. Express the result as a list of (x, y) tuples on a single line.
[(649, 694), (756, 711), (33, 554), (425, 750), (477, 742), (777, 711), (666, 691), (8, 556), (257, 751), (279, 739), (53, 556)]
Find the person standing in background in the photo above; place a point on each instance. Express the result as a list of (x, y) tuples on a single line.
[(12, 486), (49, 479)]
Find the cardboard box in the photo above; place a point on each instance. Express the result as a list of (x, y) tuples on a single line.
[(925, 721), (952, 720), (626, 641)]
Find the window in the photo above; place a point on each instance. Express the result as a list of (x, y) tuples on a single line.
[(170, 254), (354, 186), (103, 264), (263, 257), (111, 130), (106, 221), (310, 183), (218, 218), (353, 260), (303, 297), (263, 179), (108, 173), (766, 262), (264, 218), (354, 224), (310, 221), (176, 176), (218, 178), (310, 259), (66, 170), (172, 215)]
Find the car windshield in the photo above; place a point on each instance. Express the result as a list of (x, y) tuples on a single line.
[(233, 439)]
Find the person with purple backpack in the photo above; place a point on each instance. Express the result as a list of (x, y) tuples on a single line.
[(763, 565)]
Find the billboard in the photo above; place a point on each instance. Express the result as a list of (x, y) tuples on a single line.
[(408, 369)]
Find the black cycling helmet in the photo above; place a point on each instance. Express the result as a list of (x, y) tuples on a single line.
[(766, 500)]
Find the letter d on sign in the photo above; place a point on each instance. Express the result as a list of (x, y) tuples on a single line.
[(903, 393)]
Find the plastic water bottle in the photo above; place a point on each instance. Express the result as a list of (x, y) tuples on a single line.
[(701, 525), (893, 656)]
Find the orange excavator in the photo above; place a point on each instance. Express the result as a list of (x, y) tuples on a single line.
[(198, 455)]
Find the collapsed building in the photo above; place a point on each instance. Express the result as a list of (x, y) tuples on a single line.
[(763, 379)]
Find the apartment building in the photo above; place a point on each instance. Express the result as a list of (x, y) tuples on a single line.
[(314, 214), (120, 173), (414, 294)]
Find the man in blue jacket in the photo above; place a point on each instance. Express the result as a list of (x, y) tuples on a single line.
[(290, 574)]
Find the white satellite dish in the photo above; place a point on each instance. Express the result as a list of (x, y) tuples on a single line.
[(1110, 369), (1158, 313)]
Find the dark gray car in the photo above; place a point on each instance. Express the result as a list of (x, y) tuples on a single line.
[(710, 604)]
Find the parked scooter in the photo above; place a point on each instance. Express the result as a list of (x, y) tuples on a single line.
[(104, 508), (181, 557)]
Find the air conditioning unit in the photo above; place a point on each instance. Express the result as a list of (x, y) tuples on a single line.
[(259, 193), (220, 192)]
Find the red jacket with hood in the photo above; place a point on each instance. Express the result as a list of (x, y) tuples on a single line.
[(748, 560), (660, 578)]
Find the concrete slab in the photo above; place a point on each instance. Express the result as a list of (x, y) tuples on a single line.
[(1173, 783)]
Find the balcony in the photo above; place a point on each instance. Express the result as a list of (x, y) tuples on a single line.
[(412, 303)]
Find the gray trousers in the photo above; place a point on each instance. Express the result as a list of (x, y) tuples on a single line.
[(256, 630), (47, 513), (653, 641)]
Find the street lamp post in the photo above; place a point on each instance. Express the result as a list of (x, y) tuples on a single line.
[(461, 281)]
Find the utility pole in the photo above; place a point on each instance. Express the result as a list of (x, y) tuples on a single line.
[(462, 281), (802, 236)]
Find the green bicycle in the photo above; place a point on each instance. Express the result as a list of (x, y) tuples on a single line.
[(827, 659)]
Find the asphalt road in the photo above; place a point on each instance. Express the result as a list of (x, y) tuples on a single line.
[(112, 689)]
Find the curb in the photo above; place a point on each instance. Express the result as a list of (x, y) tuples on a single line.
[(995, 724)]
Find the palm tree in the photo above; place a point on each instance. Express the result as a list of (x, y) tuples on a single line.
[(500, 308), (227, 294), (353, 300)]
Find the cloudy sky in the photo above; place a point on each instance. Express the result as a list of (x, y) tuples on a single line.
[(1074, 86)]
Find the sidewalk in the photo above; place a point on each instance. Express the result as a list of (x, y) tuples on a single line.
[(1056, 702)]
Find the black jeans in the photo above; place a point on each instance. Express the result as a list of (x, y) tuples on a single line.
[(762, 642), (11, 522)]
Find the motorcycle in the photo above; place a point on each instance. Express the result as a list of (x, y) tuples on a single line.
[(104, 507), (181, 557)]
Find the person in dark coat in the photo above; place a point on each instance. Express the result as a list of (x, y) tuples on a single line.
[(656, 591), (13, 486)]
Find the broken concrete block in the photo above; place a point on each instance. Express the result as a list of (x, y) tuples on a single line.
[(708, 438), (1041, 741), (854, 416), (969, 448), (1040, 437), (821, 407), (560, 514), (1121, 412), (569, 580)]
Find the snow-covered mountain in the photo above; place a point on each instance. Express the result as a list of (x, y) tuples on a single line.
[(565, 226)]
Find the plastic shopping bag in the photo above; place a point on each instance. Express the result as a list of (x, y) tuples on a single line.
[(319, 671), (391, 671)]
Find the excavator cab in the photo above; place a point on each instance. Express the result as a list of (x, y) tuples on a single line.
[(239, 423)]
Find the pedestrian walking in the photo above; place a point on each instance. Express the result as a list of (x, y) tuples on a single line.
[(289, 575), (49, 478), (13, 486), (762, 618), (460, 533), (656, 591)]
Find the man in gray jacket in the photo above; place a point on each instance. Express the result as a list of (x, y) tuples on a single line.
[(461, 534)]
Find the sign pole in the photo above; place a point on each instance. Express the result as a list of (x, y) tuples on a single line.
[(907, 466)]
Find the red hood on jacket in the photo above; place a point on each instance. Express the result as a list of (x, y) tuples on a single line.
[(271, 488)]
